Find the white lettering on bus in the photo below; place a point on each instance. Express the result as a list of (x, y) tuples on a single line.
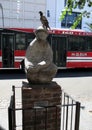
[(79, 54), (67, 32)]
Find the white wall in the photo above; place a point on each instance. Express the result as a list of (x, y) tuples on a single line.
[(50, 6), (54, 7), (59, 7), (85, 19), (22, 13)]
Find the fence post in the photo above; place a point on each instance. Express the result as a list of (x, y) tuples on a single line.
[(77, 116), (11, 111), (9, 118), (13, 107)]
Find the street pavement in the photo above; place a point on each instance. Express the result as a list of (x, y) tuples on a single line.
[(78, 87)]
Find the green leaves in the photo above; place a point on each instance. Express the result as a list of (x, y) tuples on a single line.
[(63, 13), (73, 4), (89, 26), (77, 21)]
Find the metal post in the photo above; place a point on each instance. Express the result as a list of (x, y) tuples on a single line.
[(77, 116), (2, 14), (13, 106), (67, 112), (10, 118)]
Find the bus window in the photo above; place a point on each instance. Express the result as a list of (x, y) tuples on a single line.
[(89, 43), (58, 45), (77, 43), (30, 37), (0, 42), (20, 41)]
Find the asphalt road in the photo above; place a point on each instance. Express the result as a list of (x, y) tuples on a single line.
[(77, 83), (19, 74)]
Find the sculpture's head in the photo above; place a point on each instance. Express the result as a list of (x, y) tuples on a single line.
[(41, 33)]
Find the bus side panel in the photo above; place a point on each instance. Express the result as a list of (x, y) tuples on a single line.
[(0, 59), (18, 57), (79, 60)]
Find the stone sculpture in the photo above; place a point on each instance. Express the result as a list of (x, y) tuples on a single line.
[(39, 67)]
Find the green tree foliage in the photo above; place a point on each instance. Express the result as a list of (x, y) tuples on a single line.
[(73, 4), (89, 26)]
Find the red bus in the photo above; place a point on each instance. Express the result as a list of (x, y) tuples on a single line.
[(71, 48)]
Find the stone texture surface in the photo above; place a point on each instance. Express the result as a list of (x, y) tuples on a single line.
[(39, 67), (42, 106)]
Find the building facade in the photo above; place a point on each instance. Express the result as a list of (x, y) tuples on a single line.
[(24, 13), (56, 6), (21, 13)]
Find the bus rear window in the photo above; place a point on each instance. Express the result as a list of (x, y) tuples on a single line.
[(20, 42), (89, 43), (0, 42), (77, 43)]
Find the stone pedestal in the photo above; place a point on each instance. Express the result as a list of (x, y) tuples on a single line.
[(42, 106)]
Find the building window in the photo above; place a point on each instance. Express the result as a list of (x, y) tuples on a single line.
[(68, 21), (65, 2)]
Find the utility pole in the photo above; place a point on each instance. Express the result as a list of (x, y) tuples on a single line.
[(2, 14)]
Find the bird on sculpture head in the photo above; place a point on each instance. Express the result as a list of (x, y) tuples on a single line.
[(44, 20)]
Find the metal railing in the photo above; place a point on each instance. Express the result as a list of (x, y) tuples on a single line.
[(70, 114)]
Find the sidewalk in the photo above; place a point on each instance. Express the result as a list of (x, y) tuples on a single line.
[(5, 95), (78, 88)]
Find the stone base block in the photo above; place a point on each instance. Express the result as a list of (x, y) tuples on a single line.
[(41, 106)]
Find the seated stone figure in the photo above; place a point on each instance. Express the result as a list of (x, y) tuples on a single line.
[(39, 67)]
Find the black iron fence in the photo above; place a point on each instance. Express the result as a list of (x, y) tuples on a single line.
[(70, 114)]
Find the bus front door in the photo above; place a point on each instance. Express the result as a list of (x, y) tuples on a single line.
[(58, 44), (8, 50)]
